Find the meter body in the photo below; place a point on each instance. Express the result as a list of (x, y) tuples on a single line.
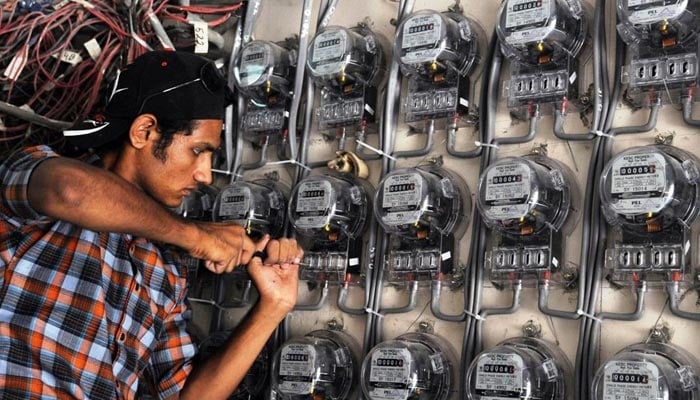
[(650, 196), (530, 205), (258, 206), (425, 211)]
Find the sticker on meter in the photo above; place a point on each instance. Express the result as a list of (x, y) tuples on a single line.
[(297, 368), (235, 203), (650, 11), (638, 183), (313, 203), (403, 195), (254, 60), (329, 52), (508, 191), (390, 374), (631, 380), (499, 375), (526, 20), (421, 39)]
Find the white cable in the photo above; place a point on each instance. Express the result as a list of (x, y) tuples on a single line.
[(590, 316), (375, 150), (370, 311), (480, 144)]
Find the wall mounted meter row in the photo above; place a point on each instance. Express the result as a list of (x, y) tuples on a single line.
[(438, 52), (264, 73), (425, 210), (543, 40), (348, 65), (650, 196), (662, 46), (650, 371), (520, 368), (530, 205)]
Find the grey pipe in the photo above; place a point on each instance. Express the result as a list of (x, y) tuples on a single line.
[(251, 18), (244, 300), (318, 304), (256, 164), (673, 290), (559, 119), (649, 125), (532, 131), (427, 147), (412, 297), (688, 112), (436, 291), (514, 306), (452, 145), (360, 150)]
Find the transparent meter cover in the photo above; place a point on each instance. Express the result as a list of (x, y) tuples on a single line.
[(329, 208), (413, 366), (646, 189), (520, 368), (522, 196), (416, 202), (320, 365), (429, 43), (255, 379), (660, 24), (259, 206), (540, 32), (648, 371), (341, 57), (198, 205), (263, 69)]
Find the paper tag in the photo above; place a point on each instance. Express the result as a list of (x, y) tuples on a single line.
[(354, 261), (201, 37), (14, 69), (446, 256), (93, 48), (68, 56), (60, 4)]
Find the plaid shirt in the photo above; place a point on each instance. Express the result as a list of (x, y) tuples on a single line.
[(84, 314)]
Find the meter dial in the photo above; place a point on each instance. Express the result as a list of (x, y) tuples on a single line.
[(660, 24), (648, 371), (520, 368), (414, 366), (259, 206), (320, 365), (522, 196), (263, 71), (647, 189), (415, 203), (542, 32)]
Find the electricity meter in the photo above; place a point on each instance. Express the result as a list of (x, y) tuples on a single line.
[(264, 73), (438, 52), (530, 203), (424, 209), (330, 212), (415, 366), (650, 195), (198, 205), (649, 371), (662, 43), (520, 368), (259, 206), (253, 384), (349, 65), (321, 365), (542, 39)]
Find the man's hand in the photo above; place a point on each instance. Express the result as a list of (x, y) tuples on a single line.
[(223, 247), (277, 277)]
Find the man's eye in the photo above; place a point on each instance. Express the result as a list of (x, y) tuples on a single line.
[(197, 151)]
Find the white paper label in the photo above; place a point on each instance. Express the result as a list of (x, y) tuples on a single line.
[(508, 191), (201, 37), (638, 183), (235, 203), (329, 51), (253, 63), (69, 56), (402, 198), (313, 203), (499, 376), (626, 380), (15, 67), (649, 11), (93, 48), (550, 369), (421, 38), (297, 368), (526, 20)]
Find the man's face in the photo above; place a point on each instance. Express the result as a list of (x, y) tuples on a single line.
[(187, 164)]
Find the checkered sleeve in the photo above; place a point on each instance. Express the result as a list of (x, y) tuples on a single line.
[(14, 174), (171, 361)]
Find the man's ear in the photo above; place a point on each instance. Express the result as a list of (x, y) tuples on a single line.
[(143, 130)]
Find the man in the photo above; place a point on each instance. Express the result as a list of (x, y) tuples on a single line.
[(92, 296)]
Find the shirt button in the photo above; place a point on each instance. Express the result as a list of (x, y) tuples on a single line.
[(137, 287), (121, 338)]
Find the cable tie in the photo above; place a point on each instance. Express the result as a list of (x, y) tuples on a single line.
[(475, 316), (140, 41), (376, 150), (590, 316), (603, 134), (293, 162), (224, 172), (480, 144), (370, 311)]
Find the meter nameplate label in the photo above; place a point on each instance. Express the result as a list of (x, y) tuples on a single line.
[(403, 195), (422, 37), (313, 203), (650, 11), (526, 20), (508, 191), (499, 375), (254, 60), (631, 380), (297, 369), (235, 203), (638, 183), (390, 374), (329, 52)]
